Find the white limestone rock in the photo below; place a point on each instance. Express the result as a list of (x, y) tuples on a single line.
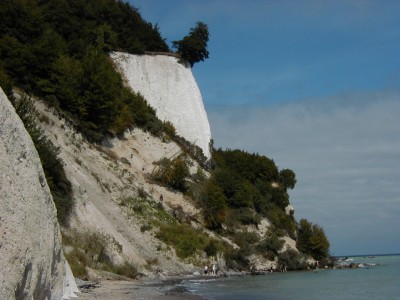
[(31, 258), (289, 209), (170, 88)]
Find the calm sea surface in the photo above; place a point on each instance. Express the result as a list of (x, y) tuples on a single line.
[(381, 281)]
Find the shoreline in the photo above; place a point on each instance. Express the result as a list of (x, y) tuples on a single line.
[(143, 289), (161, 287)]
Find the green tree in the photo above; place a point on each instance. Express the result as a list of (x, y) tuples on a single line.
[(304, 233), (193, 47), (272, 242), (287, 178), (244, 195), (280, 197), (319, 243), (311, 239), (172, 172), (211, 248), (227, 181), (214, 205)]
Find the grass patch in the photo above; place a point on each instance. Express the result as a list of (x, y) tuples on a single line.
[(187, 240), (151, 212)]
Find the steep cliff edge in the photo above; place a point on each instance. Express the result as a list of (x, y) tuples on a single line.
[(31, 260), (170, 88)]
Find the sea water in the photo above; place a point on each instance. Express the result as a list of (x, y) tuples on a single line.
[(379, 278)]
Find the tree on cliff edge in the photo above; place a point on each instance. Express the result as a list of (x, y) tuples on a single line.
[(193, 47)]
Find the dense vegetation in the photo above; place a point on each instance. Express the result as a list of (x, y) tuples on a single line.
[(58, 49), (252, 183), (241, 190)]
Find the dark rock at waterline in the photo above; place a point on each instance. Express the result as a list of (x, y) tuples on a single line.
[(177, 290)]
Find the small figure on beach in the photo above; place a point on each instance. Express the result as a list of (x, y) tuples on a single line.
[(158, 270), (205, 270), (214, 269), (283, 268)]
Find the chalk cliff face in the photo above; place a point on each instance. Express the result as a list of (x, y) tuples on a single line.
[(32, 265), (170, 88)]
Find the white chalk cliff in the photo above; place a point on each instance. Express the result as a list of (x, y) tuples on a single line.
[(32, 265), (170, 88)]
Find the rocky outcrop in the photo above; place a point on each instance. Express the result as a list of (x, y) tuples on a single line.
[(170, 88), (32, 265)]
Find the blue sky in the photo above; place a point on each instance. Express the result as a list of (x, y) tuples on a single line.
[(314, 85)]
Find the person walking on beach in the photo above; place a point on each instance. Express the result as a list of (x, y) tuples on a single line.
[(214, 269), (205, 270)]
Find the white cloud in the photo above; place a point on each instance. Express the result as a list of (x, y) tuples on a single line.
[(345, 152)]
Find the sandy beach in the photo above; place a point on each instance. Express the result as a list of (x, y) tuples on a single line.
[(138, 289)]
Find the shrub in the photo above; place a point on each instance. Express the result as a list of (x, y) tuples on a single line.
[(236, 260), (172, 173), (78, 261), (211, 248), (246, 241), (187, 240), (271, 243), (245, 216), (90, 249), (199, 175), (169, 130), (281, 220), (152, 213), (292, 259), (125, 269), (193, 151)]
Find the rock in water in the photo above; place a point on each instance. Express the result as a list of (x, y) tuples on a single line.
[(32, 265)]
